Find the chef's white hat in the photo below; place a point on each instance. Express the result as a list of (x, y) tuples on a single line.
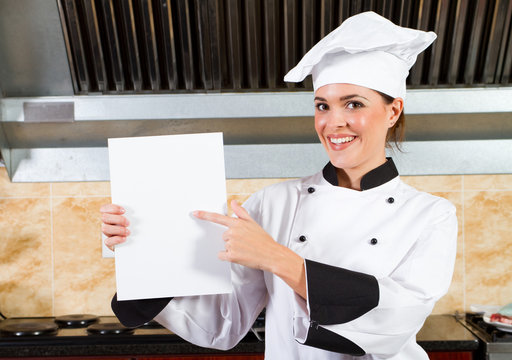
[(366, 50)]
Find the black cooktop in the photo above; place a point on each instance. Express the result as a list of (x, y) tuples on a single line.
[(71, 327), (81, 335), (488, 331)]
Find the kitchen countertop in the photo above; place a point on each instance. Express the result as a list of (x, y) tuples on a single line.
[(440, 333), (445, 333)]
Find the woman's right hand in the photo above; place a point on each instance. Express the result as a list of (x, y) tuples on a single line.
[(114, 225)]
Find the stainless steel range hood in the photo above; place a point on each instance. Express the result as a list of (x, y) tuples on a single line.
[(142, 67)]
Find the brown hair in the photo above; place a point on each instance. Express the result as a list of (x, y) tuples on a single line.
[(396, 133)]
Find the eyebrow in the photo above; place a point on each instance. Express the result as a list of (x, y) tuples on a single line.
[(343, 98)]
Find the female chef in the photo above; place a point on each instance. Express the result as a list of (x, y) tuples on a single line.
[(348, 262)]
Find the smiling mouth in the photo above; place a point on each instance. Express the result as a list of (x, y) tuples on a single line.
[(343, 140)]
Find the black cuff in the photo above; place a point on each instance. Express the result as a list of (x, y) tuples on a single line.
[(133, 313), (327, 340), (338, 295)]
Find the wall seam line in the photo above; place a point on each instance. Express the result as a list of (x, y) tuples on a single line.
[(79, 196), (52, 272), (23, 197), (463, 245)]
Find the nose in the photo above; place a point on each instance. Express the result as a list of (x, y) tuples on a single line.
[(336, 119)]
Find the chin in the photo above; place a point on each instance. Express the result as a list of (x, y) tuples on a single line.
[(345, 159), (342, 162)]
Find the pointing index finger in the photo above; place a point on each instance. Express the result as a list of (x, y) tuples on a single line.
[(214, 217)]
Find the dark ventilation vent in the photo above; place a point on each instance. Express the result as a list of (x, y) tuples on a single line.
[(171, 46)]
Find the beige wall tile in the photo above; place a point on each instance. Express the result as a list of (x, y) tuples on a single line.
[(454, 299), (84, 281), (488, 182), (100, 188), (9, 189), (26, 259), (249, 186), (488, 221), (434, 183)]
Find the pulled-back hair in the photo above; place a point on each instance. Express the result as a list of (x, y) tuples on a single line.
[(396, 133)]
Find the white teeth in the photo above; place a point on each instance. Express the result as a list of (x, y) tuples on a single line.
[(342, 140)]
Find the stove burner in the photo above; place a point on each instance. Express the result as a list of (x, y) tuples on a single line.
[(112, 328), (152, 324), (28, 328), (494, 334), (75, 320)]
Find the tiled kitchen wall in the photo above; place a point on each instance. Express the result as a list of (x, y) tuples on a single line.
[(50, 243)]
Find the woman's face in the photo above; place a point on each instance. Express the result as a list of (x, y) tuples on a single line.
[(352, 122)]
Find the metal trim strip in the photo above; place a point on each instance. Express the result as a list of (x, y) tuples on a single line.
[(255, 105), (274, 161)]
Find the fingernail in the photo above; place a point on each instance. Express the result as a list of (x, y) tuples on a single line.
[(127, 232), (123, 210)]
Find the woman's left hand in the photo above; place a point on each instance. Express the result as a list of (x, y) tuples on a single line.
[(246, 243)]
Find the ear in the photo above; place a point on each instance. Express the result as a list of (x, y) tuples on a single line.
[(395, 109)]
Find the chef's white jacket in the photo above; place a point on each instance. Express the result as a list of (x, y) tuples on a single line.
[(376, 262)]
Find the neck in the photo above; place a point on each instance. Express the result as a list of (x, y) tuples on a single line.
[(351, 178)]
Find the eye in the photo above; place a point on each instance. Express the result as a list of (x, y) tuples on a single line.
[(354, 105), (321, 106)]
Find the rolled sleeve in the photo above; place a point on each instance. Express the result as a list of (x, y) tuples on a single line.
[(335, 296), (134, 313)]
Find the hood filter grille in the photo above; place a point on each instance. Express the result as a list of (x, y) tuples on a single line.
[(180, 46)]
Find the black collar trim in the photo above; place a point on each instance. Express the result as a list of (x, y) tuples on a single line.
[(376, 177)]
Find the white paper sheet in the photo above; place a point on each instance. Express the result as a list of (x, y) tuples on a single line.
[(160, 180)]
